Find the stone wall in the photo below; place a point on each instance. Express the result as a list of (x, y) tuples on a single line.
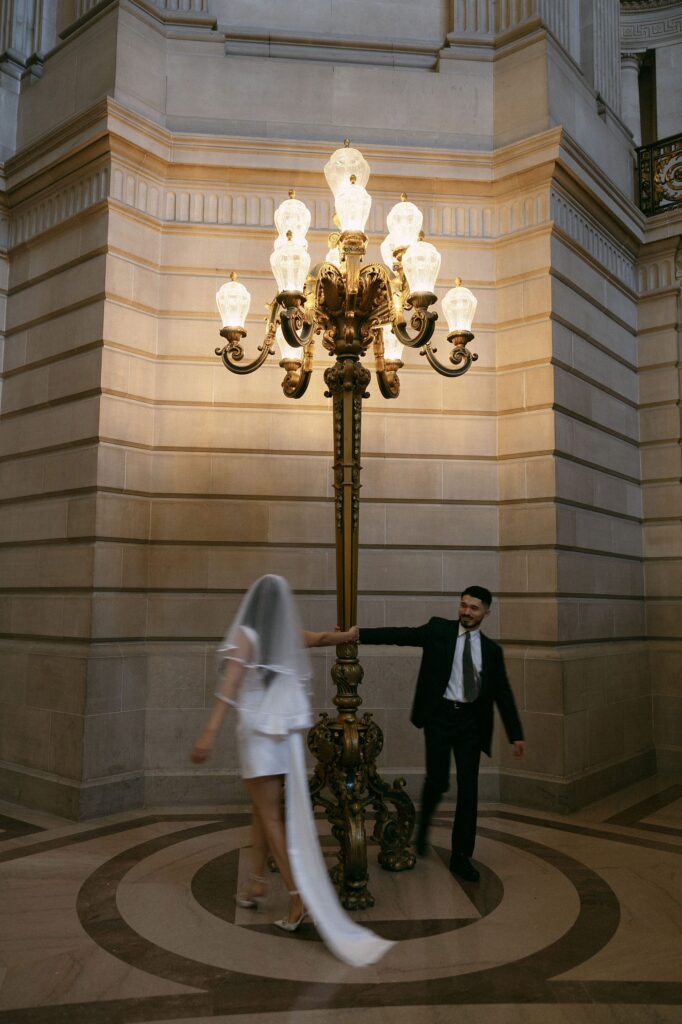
[(660, 273), (143, 487)]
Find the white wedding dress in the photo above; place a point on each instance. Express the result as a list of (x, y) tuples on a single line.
[(272, 720)]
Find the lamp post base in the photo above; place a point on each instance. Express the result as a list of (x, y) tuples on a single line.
[(346, 784)]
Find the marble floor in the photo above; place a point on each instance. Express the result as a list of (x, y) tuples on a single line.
[(132, 919)]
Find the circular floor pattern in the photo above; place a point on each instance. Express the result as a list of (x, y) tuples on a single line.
[(213, 886), (154, 907)]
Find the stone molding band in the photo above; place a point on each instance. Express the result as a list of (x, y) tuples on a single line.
[(222, 207)]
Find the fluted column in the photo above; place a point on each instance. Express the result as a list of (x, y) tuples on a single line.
[(606, 50), (629, 78), (480, 21), (20, 30), (191, 6), (26, 31), (472, 17), (173, 12), (563, 21), (510, 13)]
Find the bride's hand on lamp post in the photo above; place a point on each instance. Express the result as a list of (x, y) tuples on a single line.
[(348, 636), (339, 636)]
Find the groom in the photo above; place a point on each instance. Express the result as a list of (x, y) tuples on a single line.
[(461, 676)]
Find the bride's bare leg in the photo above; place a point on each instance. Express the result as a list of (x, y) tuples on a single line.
[(266, 796), (259, 855)]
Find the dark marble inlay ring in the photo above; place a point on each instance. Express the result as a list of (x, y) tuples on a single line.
[(158, 900), (595, 924), (217, 879)]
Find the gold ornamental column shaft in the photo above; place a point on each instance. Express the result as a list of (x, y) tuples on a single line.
[(347, 415), (340, 745)]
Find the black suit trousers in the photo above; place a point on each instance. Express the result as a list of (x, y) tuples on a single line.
[(453, 730)]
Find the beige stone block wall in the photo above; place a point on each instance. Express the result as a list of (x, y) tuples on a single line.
[(660, 350), (144, 487), (70, 739), (570, 526)]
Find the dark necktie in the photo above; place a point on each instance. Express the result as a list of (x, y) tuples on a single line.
[(468, 672)]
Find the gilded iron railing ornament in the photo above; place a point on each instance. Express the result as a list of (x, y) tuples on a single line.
[(348, 304), (660, 175)]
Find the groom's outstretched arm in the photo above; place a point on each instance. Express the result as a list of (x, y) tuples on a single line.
[(402, 636)]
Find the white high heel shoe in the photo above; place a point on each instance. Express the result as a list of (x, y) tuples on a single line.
[(251, 902), (291, 926)]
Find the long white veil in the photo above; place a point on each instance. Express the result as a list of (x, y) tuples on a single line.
[(269, 617), (268, 608)]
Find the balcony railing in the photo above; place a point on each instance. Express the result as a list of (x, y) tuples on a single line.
[(659, 167)]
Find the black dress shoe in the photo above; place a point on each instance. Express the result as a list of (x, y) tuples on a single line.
[(462, 866), (421, 845)]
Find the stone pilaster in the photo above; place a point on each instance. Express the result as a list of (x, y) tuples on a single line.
[(605, 49), (479, 23), (659, 342), (629, 71)]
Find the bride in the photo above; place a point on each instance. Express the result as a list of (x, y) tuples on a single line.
[(265, 673)]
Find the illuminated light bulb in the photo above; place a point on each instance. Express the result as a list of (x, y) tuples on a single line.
[(286, 350), (292, 215), (392, 347), (233, 301), (421, 263), (334, 256), (459, 306), (342, 164), (404, 223), (290, 264), (352, 206), (386, 249)]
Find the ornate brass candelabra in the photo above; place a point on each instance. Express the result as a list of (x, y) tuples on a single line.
[(349, 305)]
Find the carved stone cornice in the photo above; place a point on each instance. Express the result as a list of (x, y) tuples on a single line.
[(204, 183), (659, 266), (630, 6), (355, 50), (71, 198), (163, 12), (647, 25), (590, 236)]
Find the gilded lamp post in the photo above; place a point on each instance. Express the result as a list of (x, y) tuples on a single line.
[(354, 307)]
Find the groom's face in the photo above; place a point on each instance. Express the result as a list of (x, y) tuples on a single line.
[(472, 611)]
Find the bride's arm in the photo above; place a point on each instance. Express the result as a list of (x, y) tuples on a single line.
[(339, 636), (228, 685)]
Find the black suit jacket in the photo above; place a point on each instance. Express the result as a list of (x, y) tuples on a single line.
[(438, 639)]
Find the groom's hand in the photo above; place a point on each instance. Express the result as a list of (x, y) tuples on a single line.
[(519, 748)]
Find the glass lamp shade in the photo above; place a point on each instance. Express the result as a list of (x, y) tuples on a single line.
[(342, 164), (459, 306), (392, 347), (333, 256), (353, 204), (282, 240), (421, 264), (233, 301), (290, 264), (404, 223), (386, 249), (287, 351), (292, 215)]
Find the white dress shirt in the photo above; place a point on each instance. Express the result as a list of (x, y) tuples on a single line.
[(455, 687)]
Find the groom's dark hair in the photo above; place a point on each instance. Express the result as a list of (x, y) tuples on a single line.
[(480, 593)]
